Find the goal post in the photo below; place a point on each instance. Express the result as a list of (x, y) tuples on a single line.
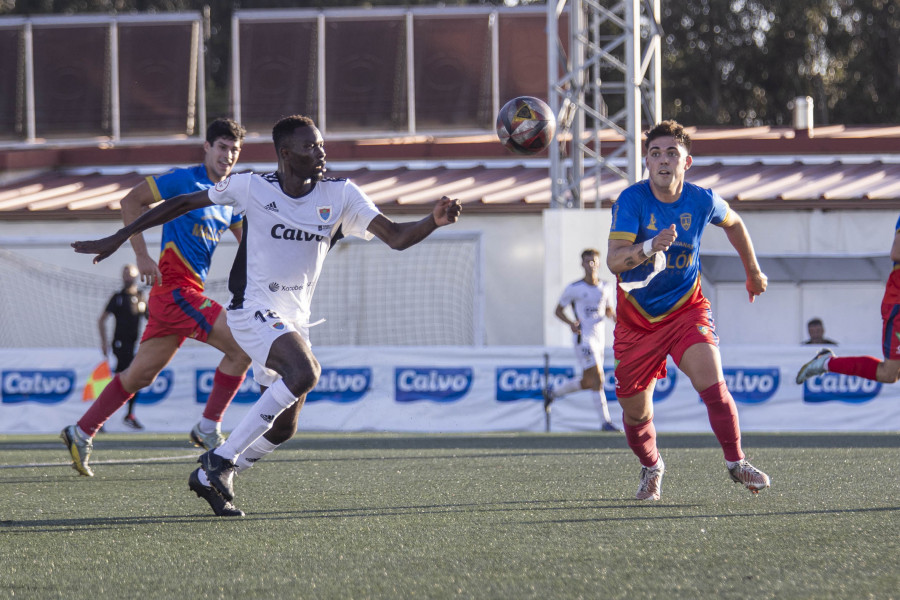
[(431, 294)]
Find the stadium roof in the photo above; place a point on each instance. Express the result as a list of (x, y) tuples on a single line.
[(755, 169)]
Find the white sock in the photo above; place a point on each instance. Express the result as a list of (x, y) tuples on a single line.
[(567, 387), (731, 464), (208, 425), (257, 421), (599, 398), (257, 450)]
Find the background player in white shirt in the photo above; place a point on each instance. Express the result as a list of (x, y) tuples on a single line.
[(591, 301), (292, 218)]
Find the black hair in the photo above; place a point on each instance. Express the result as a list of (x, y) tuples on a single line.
[(225, 128), (286, 126), (668, 128)]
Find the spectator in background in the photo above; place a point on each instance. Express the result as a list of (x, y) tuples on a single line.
[(817, 333), (127, 307)]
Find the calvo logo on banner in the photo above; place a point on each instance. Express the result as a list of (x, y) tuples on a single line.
[(434, 384), (158, 390), (843, 388), (527, 383), (341, 385), (43, 386), (752, 385), (203, 379), (664, 387)]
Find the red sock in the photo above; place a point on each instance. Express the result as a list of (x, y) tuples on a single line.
[(642, 441), (723, 418), (112, 398), (223, 391), (861, 366)]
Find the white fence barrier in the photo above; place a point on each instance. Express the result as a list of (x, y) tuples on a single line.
[(451, 389)]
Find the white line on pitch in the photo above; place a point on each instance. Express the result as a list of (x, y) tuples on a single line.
[(103, 462)]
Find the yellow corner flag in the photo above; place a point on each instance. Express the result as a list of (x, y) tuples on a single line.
[(100, 377)]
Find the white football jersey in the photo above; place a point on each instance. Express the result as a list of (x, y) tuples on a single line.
[(285, 239), (589, 303)]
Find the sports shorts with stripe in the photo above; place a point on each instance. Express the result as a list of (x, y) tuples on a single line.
[(640, 353), (183, 311)]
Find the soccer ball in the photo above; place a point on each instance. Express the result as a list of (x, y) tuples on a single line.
[(526, 125)]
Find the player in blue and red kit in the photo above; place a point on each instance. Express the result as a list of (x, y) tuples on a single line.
[(177, 307), (654, 249), (869, 367)]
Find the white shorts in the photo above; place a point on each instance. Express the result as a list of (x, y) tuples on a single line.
[(255, 329), (589, 353)]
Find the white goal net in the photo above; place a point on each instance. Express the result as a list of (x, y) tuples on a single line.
[(369, 295)]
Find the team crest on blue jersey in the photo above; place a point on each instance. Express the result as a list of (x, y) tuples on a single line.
[(324, 212), (686, 221), (652, 225)]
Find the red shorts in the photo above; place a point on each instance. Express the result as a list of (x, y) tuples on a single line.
[(890, 331), (640, 351), (183, 311)]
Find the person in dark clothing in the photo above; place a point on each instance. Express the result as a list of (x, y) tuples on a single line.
[(127, 307)]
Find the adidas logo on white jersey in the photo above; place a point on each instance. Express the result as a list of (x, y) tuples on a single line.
[(272, 207)]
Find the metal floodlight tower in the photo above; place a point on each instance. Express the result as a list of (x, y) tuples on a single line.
[(610, 78)]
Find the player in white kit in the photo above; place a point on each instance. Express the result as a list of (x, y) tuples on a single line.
[(292, 218), (591, 301)]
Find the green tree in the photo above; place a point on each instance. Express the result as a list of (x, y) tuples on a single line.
[(742, 62), (725, 62)]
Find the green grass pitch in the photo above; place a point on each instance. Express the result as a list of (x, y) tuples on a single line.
[(446, 516)]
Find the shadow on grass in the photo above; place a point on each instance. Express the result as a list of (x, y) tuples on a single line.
[(488, 441), (592, 441), (783, 513), (531, 506)]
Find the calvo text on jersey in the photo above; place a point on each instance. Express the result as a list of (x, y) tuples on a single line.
[(280, 232)]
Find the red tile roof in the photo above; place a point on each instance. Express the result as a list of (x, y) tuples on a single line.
[(758, 168)]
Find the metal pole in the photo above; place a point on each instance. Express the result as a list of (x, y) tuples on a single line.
[(30, 129), (236, 108), (115, 108)]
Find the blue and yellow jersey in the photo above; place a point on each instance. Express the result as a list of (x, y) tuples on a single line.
[(637, 216), (189, 241)]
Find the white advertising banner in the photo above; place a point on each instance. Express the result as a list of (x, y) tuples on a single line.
[(451, 389)]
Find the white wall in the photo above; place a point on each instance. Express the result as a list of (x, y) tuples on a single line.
[(513, 278), (529, 258), (851, 311), (567, 233)]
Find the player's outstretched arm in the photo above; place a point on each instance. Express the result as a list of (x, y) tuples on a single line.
[(162, 213), (739, 237), (401, 236)]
